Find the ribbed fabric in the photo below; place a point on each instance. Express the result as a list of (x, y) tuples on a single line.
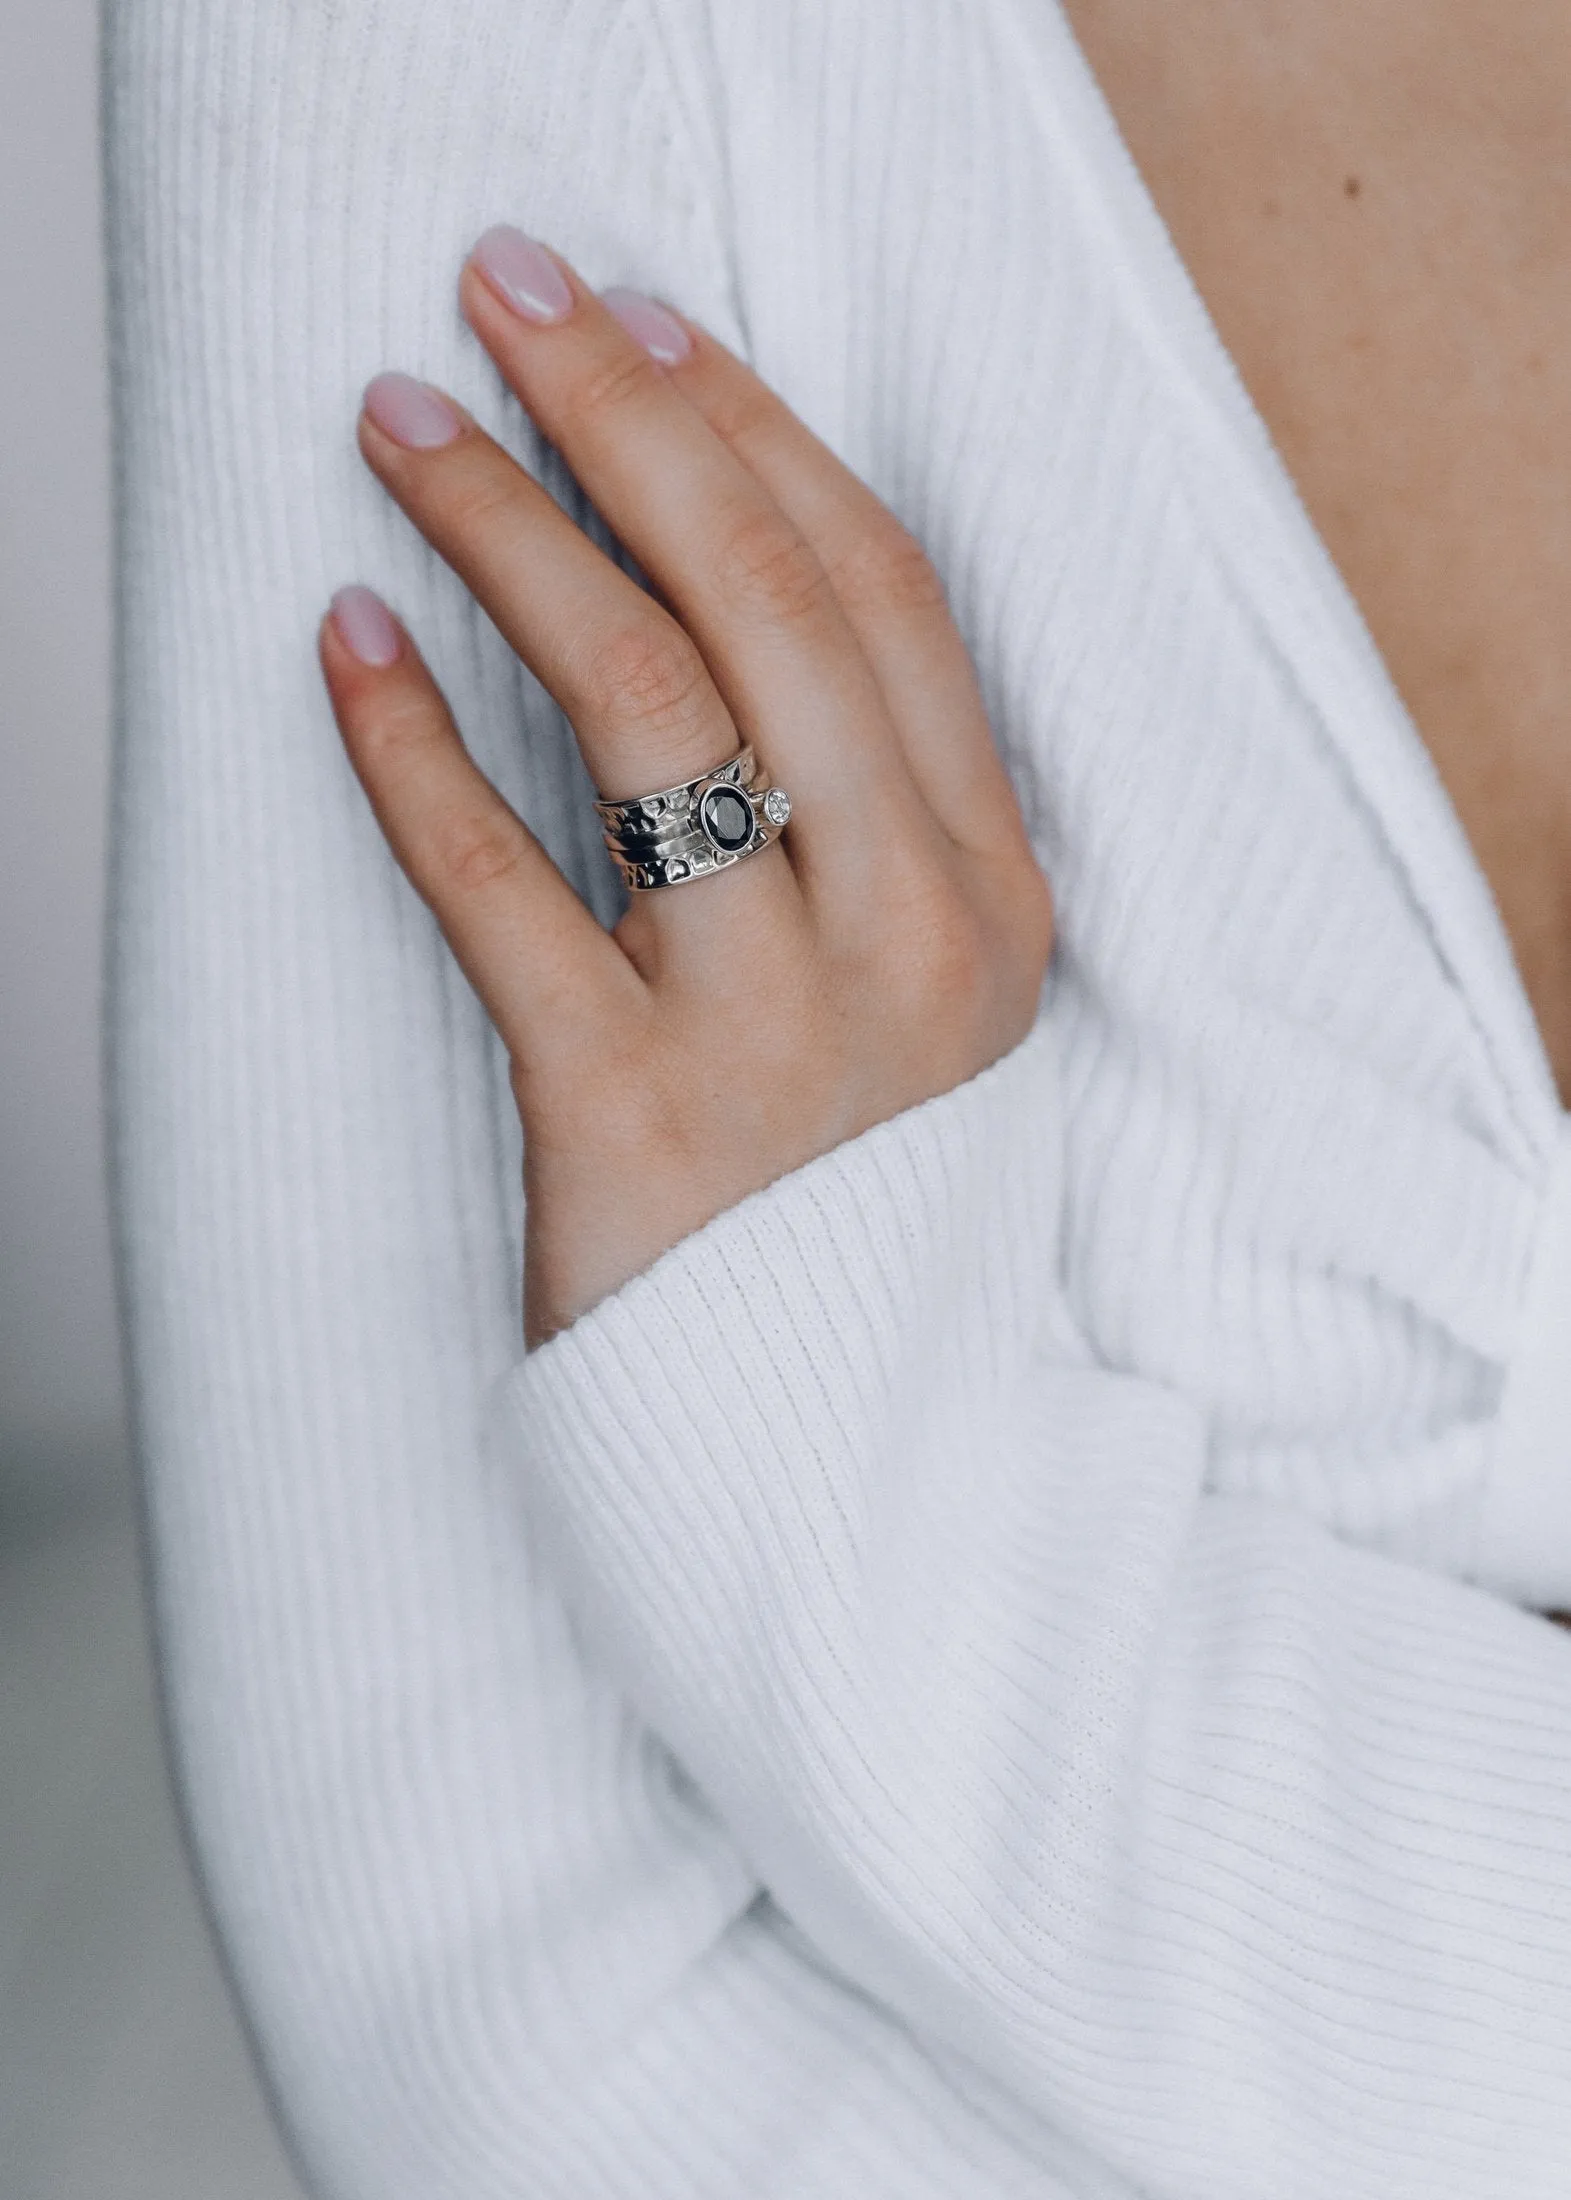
[(997, 1667)]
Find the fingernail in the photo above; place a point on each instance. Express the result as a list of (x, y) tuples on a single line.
[(411, 412), (523, 274), (660, 333), (365, 626)]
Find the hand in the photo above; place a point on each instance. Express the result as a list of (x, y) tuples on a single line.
[(888, 947)]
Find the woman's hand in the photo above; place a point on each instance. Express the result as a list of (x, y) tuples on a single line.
[(887, 948)]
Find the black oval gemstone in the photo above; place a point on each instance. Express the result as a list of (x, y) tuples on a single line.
[(728, 819)]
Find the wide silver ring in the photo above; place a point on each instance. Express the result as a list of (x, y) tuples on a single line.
[(704, 825)]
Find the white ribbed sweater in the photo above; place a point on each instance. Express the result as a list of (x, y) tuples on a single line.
[(1075, 1729)]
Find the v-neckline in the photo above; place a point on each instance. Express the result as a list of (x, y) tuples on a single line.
[(1281, 565)]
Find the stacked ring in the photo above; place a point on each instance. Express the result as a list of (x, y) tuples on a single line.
[(704, 825)]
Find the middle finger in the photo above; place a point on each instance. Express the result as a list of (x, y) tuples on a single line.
[(741, 576), (646, 714)]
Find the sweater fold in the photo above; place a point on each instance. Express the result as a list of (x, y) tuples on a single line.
[(1195, 1827)]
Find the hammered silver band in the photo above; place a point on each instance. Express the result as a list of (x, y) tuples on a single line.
[(704, 825)]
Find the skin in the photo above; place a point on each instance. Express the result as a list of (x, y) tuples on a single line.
[(1375, 205), (731, 1029)]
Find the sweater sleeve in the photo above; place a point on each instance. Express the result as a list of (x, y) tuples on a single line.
[(488, 1940), (1239, 1853)]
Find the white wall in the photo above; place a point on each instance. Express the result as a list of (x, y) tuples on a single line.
[(60, 1407)]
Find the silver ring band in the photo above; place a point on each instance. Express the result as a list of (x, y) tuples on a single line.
[(704, 825)]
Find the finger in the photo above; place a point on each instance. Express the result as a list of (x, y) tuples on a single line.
[(549, 976), (638, 694), (743, 580), (645, 711), (887, 586)]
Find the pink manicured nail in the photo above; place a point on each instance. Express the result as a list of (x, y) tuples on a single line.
[(660, 333), (411, 412), (523, 274), (365, 626)]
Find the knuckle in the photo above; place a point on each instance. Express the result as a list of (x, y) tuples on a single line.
[(1016, 902), (768, 572), (609, 385), (475, 852), (884, 568), (480, 501), (400, 726), (743, 412), (644, 675)]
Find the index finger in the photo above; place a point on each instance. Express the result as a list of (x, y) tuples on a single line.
[(550, 978)]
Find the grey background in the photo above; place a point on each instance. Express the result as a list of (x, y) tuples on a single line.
[(122, 2070), (59, 1380)]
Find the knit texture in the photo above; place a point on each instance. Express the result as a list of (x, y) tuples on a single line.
[(1063, 1722)]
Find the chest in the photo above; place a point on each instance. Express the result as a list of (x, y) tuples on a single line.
[(1305, 1124), (1375, 206)]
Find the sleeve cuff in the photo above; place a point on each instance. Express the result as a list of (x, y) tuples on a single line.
[(867, 1273)]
